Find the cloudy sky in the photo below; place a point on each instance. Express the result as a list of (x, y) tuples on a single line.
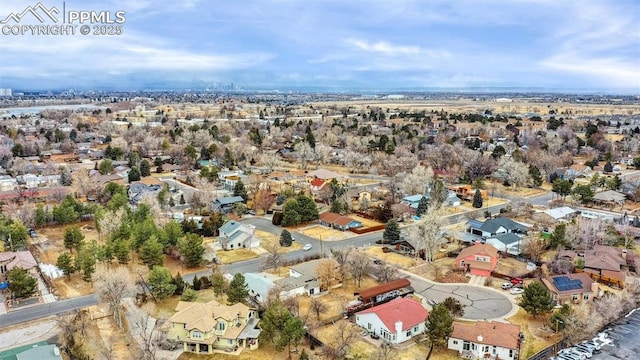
[(579, 45)]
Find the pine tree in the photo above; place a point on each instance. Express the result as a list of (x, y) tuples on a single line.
[(439, 326), (65, 263), (536, 299), (151, 252), (192, 249), (391, 232), (423, 205), (477, 199), (285, 238), (160, 283), (536, 176), (145, 168), (73, 238), (240, 190), (238, 290)]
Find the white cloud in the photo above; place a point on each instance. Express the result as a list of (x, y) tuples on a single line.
[(384, 47)]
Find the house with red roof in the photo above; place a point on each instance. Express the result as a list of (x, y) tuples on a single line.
[(485, 340), (479, 259), (338, 221), (396, 321)]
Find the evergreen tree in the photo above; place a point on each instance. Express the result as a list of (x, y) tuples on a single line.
[(151, 252), (182, 201), (73, 238), (477, 199), (285, 238), (145, 168), (423, 205), (291, 215), (337, 207), (439, 326), (21, 283), (121, 251), (134, 175), (240, 190), (536, 176), (219, 284), (608, 167), (86, 263), (391, 232), (238, 290), (65, 263), (160, 283), (195, 282), (179, 283), (536, 299), (192, 249)]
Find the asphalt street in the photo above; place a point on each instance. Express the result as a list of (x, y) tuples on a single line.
[(45, 310), (626, 340)]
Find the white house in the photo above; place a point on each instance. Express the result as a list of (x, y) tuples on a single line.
[(510, 243), (396, 321), (485, 340), (7, 183), (234, 235)]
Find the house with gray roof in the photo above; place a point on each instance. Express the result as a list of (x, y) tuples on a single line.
[(510, 243), (497, 226), (225, 204), (235, 235), (40, 352)]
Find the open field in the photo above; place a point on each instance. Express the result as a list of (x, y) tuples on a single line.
[(231, 256), (267, 240), (491, 201), (398, 260), (324, 233), (335, 299)]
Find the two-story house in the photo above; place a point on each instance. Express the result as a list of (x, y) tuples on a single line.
[(235, 235), (225, 204), (205, 327), (396, 321), (479, 259), (485, 340)]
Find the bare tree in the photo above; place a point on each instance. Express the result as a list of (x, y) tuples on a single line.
[(581, 323), (513, 172), (534, 246), (428, 234), (263, 200), (107, 352), (416, 182), (305, 153), (274, 257), (385, 352), (342, 340), (317, 306), (149, 335), (342, 257), (387, 272), (327, 273), (360, 265), (111, 287), (269, 160)]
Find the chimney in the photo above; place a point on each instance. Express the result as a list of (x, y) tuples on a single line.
[(480, 338), (624, 254), (398, 327)]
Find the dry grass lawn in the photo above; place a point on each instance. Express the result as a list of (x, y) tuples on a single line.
[(401, 261), (231, 256), (512, 267), (324, 233), (438, 267), (265, 351), (103, 332), (537, 335), (268, 239), (335, 299), (365, 222), (490, 202)]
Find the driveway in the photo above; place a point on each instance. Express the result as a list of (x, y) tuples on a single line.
[(480, 303)]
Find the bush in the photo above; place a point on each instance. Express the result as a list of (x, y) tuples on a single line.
[(189, 295)]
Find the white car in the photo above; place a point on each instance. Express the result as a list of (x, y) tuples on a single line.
[(307, 247), (516, 291)]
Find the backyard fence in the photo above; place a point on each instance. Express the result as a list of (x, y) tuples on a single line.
[(367, 229), (604, 279)]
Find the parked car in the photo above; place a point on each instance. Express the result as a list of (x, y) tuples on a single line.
[(32, 233), (507, 286), (583, 349), (251, 212), (517, 280), (307, 247), (589, 345), (566, 355), (516, 291), (433, 302), (374, 336), (573, 352)]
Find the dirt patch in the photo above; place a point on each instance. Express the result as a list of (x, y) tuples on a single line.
[(176, 266), (231, 256), (537, 335), (392, 258), (492, 201), (102, 333), (335, 299), (324, 233), (267, 240), (512, 267), (265, 351), (435, 269)]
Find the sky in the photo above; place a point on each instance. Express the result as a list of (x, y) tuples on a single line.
[(341, 45)]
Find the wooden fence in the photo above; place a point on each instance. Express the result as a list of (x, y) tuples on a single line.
[(367, 229), (609, 281)]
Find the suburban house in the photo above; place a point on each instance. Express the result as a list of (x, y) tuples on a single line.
[(235, 235), (610, 198), (338, 221), (576, 287), (395, 321), (326, 175), (21, 259), (137, 191), (510, 243), (304, 273), (479, 259), (485, 340), (609, 262), (7, 183), (205, 327), (493, 227), (225, 204), (413, 200), (563, 213), (229, 179), (576, 171)]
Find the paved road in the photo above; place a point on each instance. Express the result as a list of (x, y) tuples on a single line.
[(44, 310), (480, 302)]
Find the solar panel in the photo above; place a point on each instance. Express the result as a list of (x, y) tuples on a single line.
[(563, 283)]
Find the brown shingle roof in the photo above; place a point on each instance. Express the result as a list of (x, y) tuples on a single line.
[(584, 278), (478, 249), (203, 316), (383, 288), (488, 333)]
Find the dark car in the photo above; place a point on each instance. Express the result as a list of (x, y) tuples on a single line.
[(374, 336), (32, 233)]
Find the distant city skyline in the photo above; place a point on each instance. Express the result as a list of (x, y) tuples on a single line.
[(540, 45)]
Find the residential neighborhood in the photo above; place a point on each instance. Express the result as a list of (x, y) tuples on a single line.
[(318, 231)]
